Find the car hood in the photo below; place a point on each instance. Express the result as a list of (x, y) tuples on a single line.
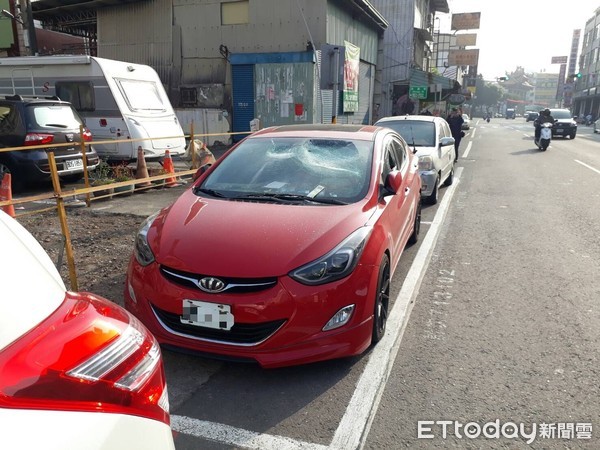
[(421, 151), (566, 121), (248, 239)]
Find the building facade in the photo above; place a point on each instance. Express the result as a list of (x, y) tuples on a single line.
[(408, 54), (249, 58), (545, 87), (586, 88)]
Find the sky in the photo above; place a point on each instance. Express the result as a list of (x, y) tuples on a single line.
[(509, 29)]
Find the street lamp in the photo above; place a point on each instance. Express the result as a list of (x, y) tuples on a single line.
[(27, 24), (11, 16)]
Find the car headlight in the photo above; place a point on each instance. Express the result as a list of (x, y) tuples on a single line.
[(336, 264), (143, 252), (425, 162)]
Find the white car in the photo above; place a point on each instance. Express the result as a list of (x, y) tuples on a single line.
[(466, 125), (76, 370), (430, 136)]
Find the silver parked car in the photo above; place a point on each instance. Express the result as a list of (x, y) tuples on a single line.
[(430, 136)]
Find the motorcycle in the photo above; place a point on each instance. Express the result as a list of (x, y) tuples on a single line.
[(545, 136)]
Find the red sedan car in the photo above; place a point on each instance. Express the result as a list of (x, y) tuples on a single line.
[(283, 251)]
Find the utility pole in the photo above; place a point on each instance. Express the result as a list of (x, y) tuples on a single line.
[(29, 26)]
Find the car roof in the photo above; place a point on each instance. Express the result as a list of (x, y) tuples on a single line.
[(409, 117), (341, 131), (32, 99)]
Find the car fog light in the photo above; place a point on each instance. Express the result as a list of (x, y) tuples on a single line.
[(340, 318), (131, 293)]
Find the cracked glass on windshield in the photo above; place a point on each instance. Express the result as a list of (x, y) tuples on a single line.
[(311, 168)]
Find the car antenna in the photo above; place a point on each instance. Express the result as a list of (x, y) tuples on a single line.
[(412, 136)]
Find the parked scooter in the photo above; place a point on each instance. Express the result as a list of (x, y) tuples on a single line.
[(545, 136)]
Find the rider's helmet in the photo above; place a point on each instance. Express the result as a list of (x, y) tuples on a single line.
[(546, 112)]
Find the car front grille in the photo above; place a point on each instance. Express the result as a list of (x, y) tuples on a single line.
[(230, 285), (243, 334)]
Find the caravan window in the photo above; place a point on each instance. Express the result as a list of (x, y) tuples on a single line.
[(141, 95), (79, 93)]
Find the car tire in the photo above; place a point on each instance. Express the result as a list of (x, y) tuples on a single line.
[(450, 179), (382, 300), (414, 237), (572, 135), (434, 197)]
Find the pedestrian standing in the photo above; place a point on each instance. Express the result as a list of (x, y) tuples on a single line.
[(455, 121)]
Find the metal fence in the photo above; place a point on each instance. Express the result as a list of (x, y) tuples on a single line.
[(93, 193)]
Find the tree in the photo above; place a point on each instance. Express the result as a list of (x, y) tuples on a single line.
[(488, 94)]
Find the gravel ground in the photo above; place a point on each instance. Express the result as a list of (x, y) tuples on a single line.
[(102, 245)]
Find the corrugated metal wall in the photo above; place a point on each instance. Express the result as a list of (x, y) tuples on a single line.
[(397, 47), (341, 27), (138, 32)]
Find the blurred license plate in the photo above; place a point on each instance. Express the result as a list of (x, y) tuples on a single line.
[(559, 130), (74, 164), (208, 315)]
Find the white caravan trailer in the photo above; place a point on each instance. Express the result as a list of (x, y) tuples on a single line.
[(117, 100)]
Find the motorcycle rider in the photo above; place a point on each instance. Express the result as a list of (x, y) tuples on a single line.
[(543, 117)]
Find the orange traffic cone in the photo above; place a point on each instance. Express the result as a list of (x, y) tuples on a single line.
[(6, 194), (170, 168), (141, 169)]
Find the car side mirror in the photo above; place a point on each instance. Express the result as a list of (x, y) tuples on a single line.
[(200, 171), (446, 141), (393, 182)]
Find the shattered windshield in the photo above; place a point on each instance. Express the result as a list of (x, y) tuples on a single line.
[(414, 132), (313, 170)]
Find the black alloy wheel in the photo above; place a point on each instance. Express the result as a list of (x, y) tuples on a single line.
[(382, 300)]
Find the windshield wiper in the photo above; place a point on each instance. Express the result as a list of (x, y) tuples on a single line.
[(291, 198), (57, 125), (210, 192)]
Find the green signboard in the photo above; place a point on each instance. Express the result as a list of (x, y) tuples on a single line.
[(419, 92)]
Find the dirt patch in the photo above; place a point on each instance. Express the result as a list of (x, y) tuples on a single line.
[(102, 245)]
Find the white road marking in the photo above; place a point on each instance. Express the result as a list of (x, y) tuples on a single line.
[(473, 133), (466, 153), (588, 166), (226, 434), (354, 427)]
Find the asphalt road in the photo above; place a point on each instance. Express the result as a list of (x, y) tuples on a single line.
[(499, 323), (505, 326)]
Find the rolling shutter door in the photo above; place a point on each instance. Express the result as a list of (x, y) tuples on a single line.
[(243, 99)]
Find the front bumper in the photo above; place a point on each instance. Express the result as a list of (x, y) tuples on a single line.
[(563, 130), (428, 180), (296, 313)]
